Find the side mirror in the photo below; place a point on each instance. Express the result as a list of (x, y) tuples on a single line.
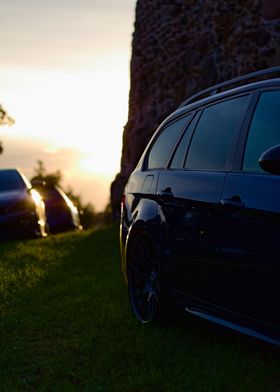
[(269, 161)]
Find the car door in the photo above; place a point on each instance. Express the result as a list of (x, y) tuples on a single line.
[(189, 193), (250, 225)]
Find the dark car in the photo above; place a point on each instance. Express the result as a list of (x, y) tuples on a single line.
[(62, 214), (22, 210), (200, 223)]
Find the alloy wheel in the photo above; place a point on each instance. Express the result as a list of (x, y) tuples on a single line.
[(143, 278)]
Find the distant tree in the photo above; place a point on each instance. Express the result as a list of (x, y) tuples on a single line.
[(5, 119), (41, 174)]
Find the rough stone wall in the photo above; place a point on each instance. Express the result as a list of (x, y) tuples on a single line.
[(182, 46)]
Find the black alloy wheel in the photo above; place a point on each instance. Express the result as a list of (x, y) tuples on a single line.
[(143, 275)]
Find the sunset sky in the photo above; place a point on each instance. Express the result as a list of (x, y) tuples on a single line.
[(64, 77)]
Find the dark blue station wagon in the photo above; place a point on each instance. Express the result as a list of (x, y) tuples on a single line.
[(200, 223)]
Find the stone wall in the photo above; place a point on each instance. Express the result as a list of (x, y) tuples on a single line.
[(182, 46)]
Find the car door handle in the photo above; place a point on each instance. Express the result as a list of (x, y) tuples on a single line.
[(166, 194), (233, 203)]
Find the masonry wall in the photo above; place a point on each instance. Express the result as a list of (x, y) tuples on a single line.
[(182, 46)]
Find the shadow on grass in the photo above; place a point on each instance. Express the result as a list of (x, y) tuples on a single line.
[(72, 330)]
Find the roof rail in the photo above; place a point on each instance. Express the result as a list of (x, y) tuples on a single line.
[(215, 89)]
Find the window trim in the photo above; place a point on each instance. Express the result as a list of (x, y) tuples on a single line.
[(193, 115)]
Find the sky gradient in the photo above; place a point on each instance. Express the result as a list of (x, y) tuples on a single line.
[(64, 77)]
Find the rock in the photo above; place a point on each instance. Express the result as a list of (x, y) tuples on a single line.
[(270, 9)]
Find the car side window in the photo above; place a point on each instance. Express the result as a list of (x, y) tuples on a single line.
[(214, 134), (264, 131), (163, 146), (180, 154)]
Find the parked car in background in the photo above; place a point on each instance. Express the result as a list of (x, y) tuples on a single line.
[(62, 214), (22, 210), (200, 221)]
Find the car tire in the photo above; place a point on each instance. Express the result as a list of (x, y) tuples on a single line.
[(147, 293)]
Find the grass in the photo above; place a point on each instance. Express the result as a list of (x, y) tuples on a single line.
[(65, 325)]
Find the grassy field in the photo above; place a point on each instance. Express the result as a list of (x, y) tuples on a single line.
[(65, 325)]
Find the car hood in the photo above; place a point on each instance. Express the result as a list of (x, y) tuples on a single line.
[(8, 198)]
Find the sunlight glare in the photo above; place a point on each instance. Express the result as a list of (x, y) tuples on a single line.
[(81, 110)]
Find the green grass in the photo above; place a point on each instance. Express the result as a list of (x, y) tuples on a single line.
[(65, 325)]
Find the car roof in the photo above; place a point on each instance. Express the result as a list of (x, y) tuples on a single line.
[(212, 93), (9, 170), (243, 80), (226, 94)]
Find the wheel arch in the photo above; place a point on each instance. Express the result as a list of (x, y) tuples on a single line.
[(147, 221), (150, 221)]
